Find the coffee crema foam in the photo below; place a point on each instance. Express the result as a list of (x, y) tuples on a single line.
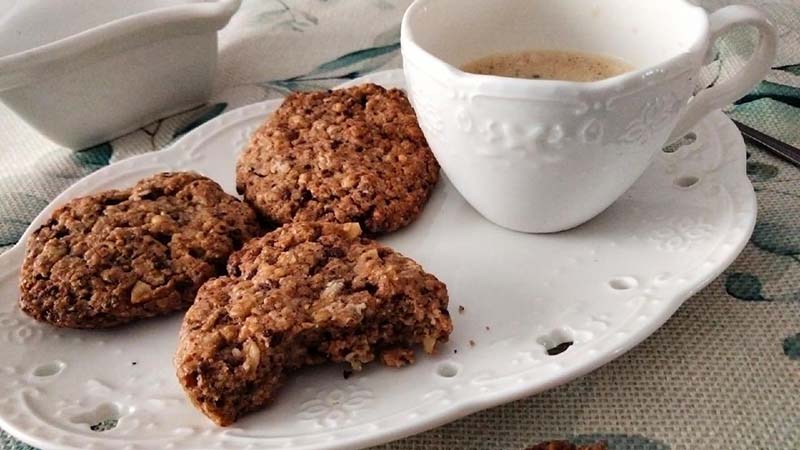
[(549, 65)]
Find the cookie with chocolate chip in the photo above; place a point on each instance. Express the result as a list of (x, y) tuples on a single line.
[(348, 155), (122, 255), (304, 294)]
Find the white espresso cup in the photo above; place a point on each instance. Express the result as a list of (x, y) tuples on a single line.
[(548, 155)]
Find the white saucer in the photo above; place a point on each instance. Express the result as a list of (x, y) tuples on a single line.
[(605, 286)]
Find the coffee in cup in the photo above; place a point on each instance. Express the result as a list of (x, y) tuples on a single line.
[(549, 65), (540, 155)]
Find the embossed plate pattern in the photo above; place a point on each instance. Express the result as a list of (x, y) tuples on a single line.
[(604, 286)]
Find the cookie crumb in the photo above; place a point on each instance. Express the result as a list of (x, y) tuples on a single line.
[(347, 373), (399, 357), (471, 343), (487, 328), (461, 309)]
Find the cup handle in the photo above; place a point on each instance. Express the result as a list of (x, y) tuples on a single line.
[(756, 68)]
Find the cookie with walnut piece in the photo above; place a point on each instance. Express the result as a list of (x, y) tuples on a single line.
[(304, 294), (122, 255)]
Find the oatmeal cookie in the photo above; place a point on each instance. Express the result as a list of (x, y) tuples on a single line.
[(349, 155), (304, 294), (122, 255)]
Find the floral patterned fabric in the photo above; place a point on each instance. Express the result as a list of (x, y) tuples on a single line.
[(723, 373)]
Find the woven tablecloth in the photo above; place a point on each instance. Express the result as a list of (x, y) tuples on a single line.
[(723, 373)]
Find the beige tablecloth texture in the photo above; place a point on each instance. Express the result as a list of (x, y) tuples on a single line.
[(722, 374)]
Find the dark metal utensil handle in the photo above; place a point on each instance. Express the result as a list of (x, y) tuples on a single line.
[(780, 148)]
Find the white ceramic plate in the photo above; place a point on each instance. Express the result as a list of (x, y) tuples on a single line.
[(605, 286)]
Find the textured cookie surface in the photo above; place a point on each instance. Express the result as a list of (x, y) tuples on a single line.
[(122, 255), (349, 155), (303, 294)]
